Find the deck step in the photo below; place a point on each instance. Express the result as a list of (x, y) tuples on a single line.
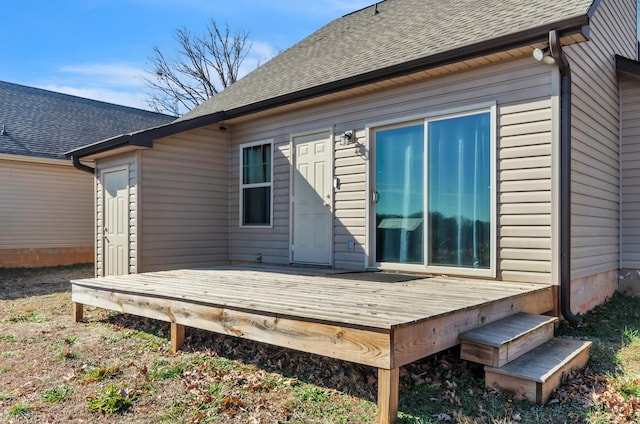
[(536, 374), (500, 342)]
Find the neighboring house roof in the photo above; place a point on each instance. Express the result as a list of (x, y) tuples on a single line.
[(388, 39), (46, 124)]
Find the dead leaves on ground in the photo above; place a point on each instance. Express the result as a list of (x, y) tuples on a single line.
[(598, 393)]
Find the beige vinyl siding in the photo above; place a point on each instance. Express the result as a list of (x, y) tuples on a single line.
[(270, 245), (350, 204), (522, 90), (184, 201), (630, 159), (130, 161), (525, 191), (595, 116), (44, 205)]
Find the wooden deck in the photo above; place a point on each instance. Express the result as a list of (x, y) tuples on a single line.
[(384, 321)]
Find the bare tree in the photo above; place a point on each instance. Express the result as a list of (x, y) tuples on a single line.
[(206, 64)]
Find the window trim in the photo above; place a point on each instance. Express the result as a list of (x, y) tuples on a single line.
[(242, 186), (425, 118)]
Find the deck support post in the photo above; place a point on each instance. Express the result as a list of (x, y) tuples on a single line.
[(177, 337), (556, 301), (78, 312), (388, 388)]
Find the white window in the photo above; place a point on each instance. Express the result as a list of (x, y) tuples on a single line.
[(256, 184)]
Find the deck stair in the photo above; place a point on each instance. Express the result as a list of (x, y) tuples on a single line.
[(521, 355)]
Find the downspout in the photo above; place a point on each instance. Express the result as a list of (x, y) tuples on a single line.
[(556, 52), (81, 166)]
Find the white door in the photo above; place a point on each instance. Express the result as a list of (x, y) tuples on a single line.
[(116, 222), (312, 199)]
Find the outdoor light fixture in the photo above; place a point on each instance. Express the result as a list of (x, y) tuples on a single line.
[(346, 138), (543, 55)]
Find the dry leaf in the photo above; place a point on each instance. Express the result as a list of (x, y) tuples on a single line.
[(519, 394)]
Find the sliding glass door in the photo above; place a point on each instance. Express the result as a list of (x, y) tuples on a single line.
[(459, 187), (433, 193), (399, 194)]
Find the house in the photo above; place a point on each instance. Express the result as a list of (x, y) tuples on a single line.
[(491, 147), (46, 206), (410, 135)]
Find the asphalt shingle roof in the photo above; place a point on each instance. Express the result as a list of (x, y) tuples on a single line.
[(42, 123), (401, 31)]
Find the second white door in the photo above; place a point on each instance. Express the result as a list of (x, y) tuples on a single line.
[(116, 222)]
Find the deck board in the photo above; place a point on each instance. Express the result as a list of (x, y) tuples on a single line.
[(317, 297)]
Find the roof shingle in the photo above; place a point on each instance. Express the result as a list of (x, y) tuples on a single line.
[(42, 123), (401, 31)]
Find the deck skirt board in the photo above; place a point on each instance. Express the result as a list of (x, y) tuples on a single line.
[(353, 344)]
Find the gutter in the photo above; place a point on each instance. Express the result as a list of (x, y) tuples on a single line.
[(556, 52), (144, 138), (81, 166)]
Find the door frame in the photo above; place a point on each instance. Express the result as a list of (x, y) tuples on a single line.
[(292, 149), (100, 229), (426, 117), (370, 209)]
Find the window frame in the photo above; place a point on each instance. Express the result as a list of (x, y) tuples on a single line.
[(243, 186), (452, 114), (426, 118), (373, 181)]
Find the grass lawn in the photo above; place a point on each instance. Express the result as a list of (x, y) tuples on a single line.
[(115, 368)]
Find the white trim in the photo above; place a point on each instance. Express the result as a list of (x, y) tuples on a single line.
[(242, 186), (34, 159), (139, 206), (431, 114), (292, 155), (425, 119), (368, 200), (555, 175), (95, 225)]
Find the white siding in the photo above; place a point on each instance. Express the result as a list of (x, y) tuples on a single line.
[(630, 157), (595, 116), (184, 201), (129, 160), (522, 91), (44, 205)]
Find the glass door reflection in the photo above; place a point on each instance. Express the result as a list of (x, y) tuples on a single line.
[(399, 194)]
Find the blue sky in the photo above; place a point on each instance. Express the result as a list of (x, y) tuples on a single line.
[(100, 48)]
